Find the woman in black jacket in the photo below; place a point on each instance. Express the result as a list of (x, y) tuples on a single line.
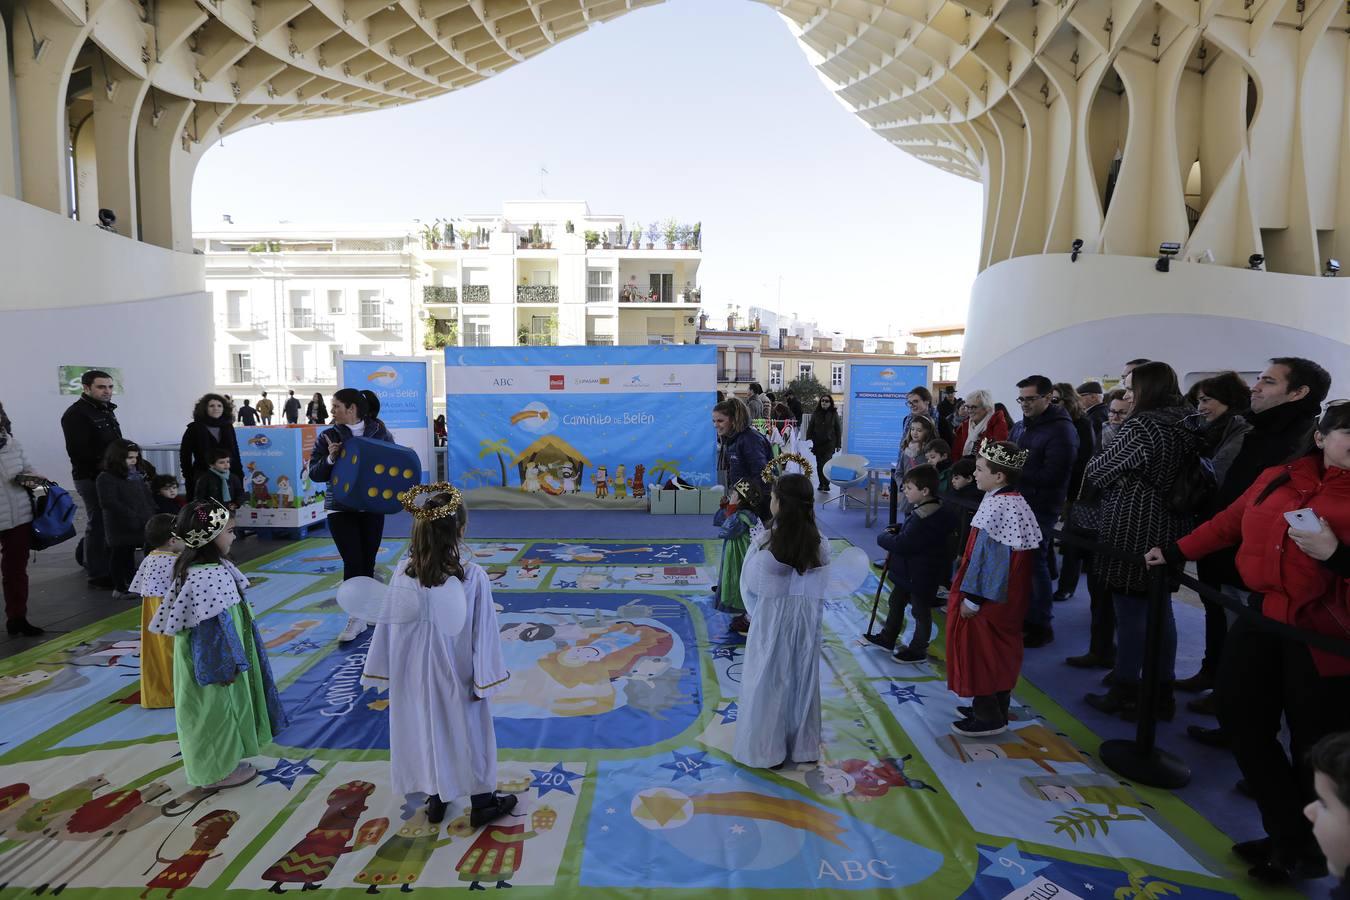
[(124, 494), (826, 434), (1064, 395), (210, 431), (357, 533), (316, 413), (742, 451)]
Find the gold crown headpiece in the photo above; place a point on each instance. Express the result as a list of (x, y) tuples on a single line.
[(209, 520), (999, 456), (419, 510), (774, 468)]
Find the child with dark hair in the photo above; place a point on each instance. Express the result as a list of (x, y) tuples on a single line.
[(225, 701), (165, 491), (963, 496), (1330, 812), (938, 454), (438, 665), (214, 483), (918, 560), (153, 580), (990, 593), (783, 583), (735, 520), (124, 493)]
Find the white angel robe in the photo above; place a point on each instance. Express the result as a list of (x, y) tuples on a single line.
[(778, 718), (441, 739)]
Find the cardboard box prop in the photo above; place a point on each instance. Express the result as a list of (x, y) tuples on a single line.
[(370, 475), (277, 490)]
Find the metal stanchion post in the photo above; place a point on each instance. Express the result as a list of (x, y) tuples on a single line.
[(1140, 759)]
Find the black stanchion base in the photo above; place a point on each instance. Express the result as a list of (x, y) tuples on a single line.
[(1156, 769)]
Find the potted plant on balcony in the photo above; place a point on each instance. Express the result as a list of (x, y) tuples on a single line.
[(569, 227), (653, 232), (682, 235), (465, 235), (672, 231), (697, 236), (636, 236), (592, 239), (605, 241)]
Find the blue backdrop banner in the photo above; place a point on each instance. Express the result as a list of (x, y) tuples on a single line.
[(876, 408), (592, 427), (405, 400)]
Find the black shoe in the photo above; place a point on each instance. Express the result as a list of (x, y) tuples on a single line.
[(966, 712), (103, 583), (1210, 737), (1198, 683), (1119, 699), (1165, 706), (976, 728), (23, 627), (1061, 597), (880, 641), (1090, 661), (1206, 705), (1245, 789), (740, 624), (1283, 867), (1109, 678), (435, 809), (1254, 852), (1034, 636), (911, 655), (500, 805)]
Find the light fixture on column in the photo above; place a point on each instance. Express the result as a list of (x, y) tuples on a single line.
[(1255, 262), (1166, 251), (1075, 249)]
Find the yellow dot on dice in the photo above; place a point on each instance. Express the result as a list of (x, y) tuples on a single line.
[(355, 458), (387, 493), (407, 473), (346, 487), (372, 492), (379, 468)]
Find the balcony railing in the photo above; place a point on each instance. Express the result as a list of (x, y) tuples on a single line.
[(599, 341), (476, 293), (303, 320), (258, 328), (302, 375), (375, 323), (537, 293), (436, 293), (599, 293), (239, 375), (737, 376)]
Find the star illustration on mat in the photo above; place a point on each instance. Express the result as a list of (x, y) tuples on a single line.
[(728, 712), (304, 645), (904, 693), (555, 779), (564, 585), (738, 829), (1008, 863), (725, 651), (285, 772), (691, 764)]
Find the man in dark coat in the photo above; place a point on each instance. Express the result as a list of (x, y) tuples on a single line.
[(248, 416), (1092, 395), (89, 426), (1286, 401), (292, 409), (1048, 435)]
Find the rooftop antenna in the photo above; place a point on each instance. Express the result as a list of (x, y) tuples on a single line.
[(543, 170)]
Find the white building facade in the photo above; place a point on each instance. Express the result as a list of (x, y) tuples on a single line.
[(288, 300)]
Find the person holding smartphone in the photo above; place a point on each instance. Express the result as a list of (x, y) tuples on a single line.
[(1291, 528)]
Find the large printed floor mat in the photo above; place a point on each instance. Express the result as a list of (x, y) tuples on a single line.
[(614, 732)]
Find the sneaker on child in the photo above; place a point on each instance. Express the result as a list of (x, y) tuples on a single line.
[(354, 629)]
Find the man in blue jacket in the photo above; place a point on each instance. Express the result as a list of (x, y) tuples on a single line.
[(1048, 435)]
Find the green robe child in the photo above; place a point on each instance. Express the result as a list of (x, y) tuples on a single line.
[(736, 523)]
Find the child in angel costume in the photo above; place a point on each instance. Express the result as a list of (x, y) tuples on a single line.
[(786, 579), (436, 649), (152, 582), (225, 701), (736, 522), (990, 593)]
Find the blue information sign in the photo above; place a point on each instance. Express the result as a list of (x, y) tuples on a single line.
[(876, 408)]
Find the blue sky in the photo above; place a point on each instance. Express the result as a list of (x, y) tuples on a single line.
[(705, 110)]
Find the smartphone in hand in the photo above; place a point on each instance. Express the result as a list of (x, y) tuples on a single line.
[(1302, 520)]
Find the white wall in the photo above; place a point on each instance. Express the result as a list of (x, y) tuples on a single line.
[(49, 261), (162, 346), (1072, 321)]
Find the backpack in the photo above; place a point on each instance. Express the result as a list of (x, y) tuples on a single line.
[(53, 518), (1195, 486)]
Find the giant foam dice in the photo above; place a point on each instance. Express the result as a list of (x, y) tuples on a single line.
[(370, 475)]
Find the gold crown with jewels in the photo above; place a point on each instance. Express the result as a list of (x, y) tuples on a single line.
[(995, 453)]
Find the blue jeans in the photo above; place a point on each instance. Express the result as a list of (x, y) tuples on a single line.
[(1040, 611), (1131, 625)]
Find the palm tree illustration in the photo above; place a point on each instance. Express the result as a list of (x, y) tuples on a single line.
[(1145, 886), (499, 447), (663, 467)]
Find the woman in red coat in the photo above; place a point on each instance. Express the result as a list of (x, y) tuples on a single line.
[(1301, 578), (982, 422)]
